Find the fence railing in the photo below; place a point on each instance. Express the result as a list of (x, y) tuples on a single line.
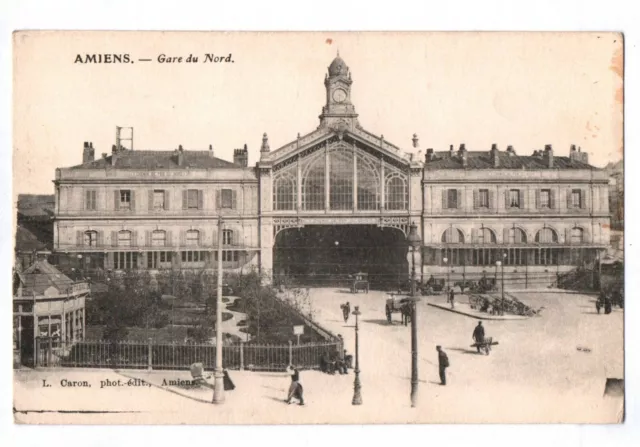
[(174, 356)]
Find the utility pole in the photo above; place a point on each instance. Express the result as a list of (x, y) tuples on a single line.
[(218, 384)]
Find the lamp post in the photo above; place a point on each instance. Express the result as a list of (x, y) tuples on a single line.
[(218, 384), (504, 259), (446, 266), (357, 397), (501, 264), (414, 242)]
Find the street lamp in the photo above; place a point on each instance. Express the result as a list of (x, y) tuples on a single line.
[(445, 260), (504, 260), (357, 397), (501, 264), (414, 242), (218, 384)]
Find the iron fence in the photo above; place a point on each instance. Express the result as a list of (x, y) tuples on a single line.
[(180, 356)]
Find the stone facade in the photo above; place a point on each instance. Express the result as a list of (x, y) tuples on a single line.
[(536, 212)]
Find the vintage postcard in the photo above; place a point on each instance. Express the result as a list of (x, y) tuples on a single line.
[(318, 228)]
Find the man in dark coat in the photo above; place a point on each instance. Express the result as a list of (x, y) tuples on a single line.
[(452, 296), (443, 364), (346, 310), (295, 389), (478, 335)]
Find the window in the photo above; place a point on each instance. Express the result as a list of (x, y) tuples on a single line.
[(545, 256), (514, 198), (90, 200), (341, 180), (125, 199), (313, 182), (368, 184), (193, 238), (124, 239), (545, 198), (517, 236), (486, 236), (158, 259), (228, 256), (452, 236), (124, 260), (227, 198), (90, 238), (577, 235), (227, 237), (158, 199), (451, 197), (546, 236), (397, 193), (483, 198), (284, 192), (192, 199), (158, 238), (193, 256), (576, 198)]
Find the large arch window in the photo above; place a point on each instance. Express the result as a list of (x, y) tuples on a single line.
[(546, 236), (368, 184), (486, 236), (313, 185), (341, 180), (396, 193), (517, 236), (452, 236), (577, 235), (285, 191)]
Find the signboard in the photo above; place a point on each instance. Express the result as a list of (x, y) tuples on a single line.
[(298, 330)]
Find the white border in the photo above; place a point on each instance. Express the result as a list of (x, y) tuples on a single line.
[(543, 15)]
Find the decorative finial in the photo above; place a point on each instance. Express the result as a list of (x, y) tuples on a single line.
[(265, 143), (415, 140), (337, 52)]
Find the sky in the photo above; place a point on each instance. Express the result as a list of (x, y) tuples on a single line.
[(519, 89)]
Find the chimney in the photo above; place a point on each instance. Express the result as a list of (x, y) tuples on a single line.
[(548, 155), (241, 156), (180, 156), (104, 155), (265, 143), (415, 140), (429, 155), (451, 150), (495, 156), (88, 153), (211, 150), (114, 154), (462, 153), (510, 150)]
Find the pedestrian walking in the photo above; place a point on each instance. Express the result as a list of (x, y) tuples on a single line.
[(443, 364), (478, 335), (295, 389), (452, 297), (346, 311), (598, 305)]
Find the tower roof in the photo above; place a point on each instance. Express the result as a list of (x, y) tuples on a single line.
[(338, 67)]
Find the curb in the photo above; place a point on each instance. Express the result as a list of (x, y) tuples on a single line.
[(480, 317)]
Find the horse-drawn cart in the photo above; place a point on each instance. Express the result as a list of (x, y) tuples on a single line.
[(397, 305), (360, 282)]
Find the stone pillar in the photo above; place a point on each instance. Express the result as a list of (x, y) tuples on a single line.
[(266, 248)]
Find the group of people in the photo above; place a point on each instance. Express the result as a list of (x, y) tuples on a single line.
[(331, 364), (604, 301)]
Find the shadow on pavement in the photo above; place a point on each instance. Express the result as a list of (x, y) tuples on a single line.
[(465, 351), (383, 322)]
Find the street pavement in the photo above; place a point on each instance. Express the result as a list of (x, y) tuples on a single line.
[(550, 368)]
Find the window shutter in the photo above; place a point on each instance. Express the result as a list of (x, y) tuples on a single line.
[(114, 238), (184, 199), (474, 236), (567, 236), (537, 199), (87, 200), (183, 238), (79, 238), (167, 198), (569, 204), (586, 236), (460, 201), (492, 200), (583, 198), (507, 199), (522, 198), (100, 240), (200, 236), (552, 199), (234, 199), (133, 200), (200, 199), (151, 200), (476, 199), (147, 238), (218, 199), (134, 238), (169, 238), (505, 235), (116, 199)]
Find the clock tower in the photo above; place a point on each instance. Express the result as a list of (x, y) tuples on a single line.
[(338, 111)]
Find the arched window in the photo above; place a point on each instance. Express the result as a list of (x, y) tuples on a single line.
[(517, 236), (486, 236), (285, 191), (577, 235), (90, 238), (396, 193), (546, 236), (341, 180), (452, 236), (368, 181), (193, 238), (124, 238), (158, 238), (313, 193)]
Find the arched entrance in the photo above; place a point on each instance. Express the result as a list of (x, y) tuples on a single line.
[(322, 255)]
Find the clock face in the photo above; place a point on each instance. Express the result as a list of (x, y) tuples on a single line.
[(339, 95)]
